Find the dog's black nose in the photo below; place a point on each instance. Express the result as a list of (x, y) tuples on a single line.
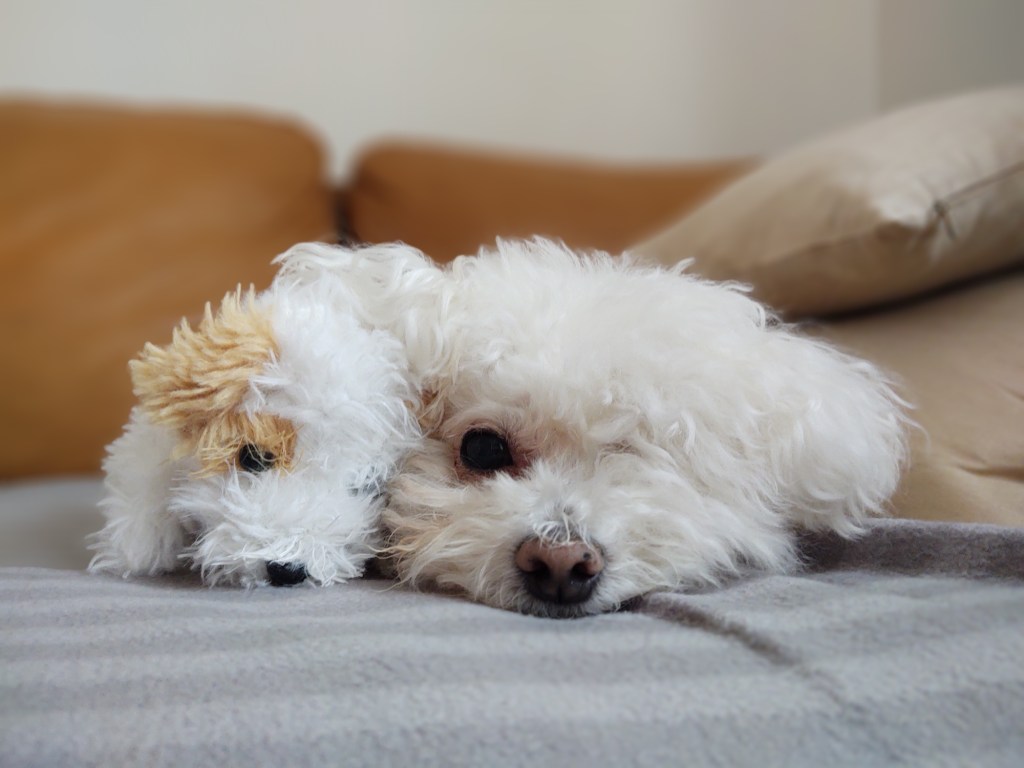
[(286, 574), (559, 573)]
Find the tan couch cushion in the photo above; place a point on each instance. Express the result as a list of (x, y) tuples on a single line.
[(960, 356), (903, 204), (114, 224), (449, 202)]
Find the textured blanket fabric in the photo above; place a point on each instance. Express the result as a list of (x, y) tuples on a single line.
[(904, 648)]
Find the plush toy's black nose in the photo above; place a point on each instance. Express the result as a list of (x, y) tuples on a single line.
[(286, 574)]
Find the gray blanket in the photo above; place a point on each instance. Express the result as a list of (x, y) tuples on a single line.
[(903, 648)]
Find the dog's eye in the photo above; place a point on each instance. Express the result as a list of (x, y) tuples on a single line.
[(252, 458), (484, 450)]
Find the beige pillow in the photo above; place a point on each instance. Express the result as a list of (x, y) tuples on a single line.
[(908, 202)]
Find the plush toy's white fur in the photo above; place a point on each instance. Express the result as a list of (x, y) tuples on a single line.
[(670, 424), (336, 377)]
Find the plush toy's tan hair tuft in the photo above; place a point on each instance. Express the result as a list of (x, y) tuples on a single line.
[(197, 384)]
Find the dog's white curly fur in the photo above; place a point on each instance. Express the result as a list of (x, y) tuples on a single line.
[(341, 380), (670, 423)]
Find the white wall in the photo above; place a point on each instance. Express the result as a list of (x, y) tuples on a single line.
[(609, 78), (626, 79), (933, 47)]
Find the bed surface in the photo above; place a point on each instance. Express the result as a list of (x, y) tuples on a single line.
[(903, 648)]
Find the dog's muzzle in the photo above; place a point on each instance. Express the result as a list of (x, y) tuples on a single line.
[(285, 574), (561, 573)]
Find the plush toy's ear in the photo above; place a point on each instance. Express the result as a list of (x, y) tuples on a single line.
[(205, 372), (377, 276), (392, 287)]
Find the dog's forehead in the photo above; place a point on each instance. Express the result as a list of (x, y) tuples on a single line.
[(602, 321), (597, 376)]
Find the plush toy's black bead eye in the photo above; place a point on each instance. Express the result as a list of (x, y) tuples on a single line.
[(484, 450), (252, 458)]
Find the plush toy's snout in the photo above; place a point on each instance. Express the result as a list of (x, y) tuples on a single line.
[(285, 574)]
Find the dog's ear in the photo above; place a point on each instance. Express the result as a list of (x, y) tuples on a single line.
[(837, 436), (206, 371)]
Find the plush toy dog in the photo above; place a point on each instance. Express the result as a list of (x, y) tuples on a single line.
[(262, 438)]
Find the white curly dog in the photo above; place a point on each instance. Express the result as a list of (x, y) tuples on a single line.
[(596, 430)]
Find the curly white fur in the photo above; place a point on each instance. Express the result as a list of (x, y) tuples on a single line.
[(341, 380), (668, 422)]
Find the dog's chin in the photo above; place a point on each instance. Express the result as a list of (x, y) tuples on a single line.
[(545, 610), (517, 599), (531, 606)]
